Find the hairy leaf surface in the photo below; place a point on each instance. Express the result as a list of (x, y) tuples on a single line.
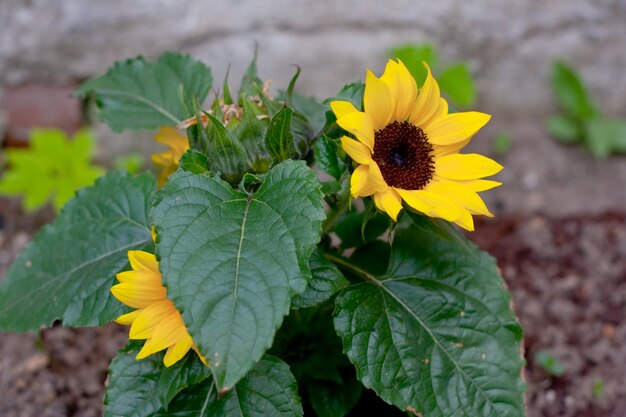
[(232, 262), (67, 271)]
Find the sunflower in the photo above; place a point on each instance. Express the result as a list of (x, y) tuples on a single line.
[(156, 318), (178, 145), (407, 149)]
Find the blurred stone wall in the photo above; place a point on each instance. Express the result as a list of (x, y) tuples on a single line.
[(509, 44)]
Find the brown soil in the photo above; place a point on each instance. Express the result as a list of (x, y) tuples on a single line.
[(567, 276)]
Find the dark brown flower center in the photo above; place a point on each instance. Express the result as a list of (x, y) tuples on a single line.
[(404, 155)]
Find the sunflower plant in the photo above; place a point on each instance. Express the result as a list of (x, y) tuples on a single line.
[(295, 256)]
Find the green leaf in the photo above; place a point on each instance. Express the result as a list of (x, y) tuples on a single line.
[(352, 234), (312, 109), (194, 161), (269, 389), (51, 169), (67, 271), (131, 162), (352, 92), (137, 94), (412, 55), (232, 262), (501, 144), (226, 154), (457, 83), (187, 372), (325, 281), (278, 139), (251, 84), (434, 334), (604, 136), (570, 92), (565, 129), (326, 157)]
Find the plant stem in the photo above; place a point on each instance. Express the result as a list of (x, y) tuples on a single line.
[(361, 273)]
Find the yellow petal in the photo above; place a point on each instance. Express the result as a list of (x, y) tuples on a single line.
[(461, 195), (465, 220), (377, 101), (149, 318), (441, 111), (480, 185), (138, 294), (202, 358), (176, 352), (427, 100), (360, 125), (146, 350), (439, 150), (431, 204), (143, 260), (357, 151), (139, 275), (389, 202), (466, 166), (455, 127), (342, 108), (360, 184), (128, 318), (168, 332), (402, 87), (376, 177)]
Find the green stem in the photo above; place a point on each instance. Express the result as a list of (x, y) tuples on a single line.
[(361, 273)]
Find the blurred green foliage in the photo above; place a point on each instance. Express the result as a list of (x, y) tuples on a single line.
[(549, 363), (51, 169), (455, 80), (581, 122), (132, 162), (501, 144)]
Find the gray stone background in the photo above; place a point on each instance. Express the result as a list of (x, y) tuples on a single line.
[(509, 45)]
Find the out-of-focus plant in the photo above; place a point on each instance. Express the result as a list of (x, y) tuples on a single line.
[(132, 162), (501, 144), (581, 121), (549, 363), (51, 169), (455, 80)]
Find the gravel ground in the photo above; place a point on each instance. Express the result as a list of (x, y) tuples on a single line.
[(567, 276)]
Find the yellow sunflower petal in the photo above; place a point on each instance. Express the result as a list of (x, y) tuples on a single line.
[(360, 184), (377, 101), (376, 177), (461, 195), (466, 166), (455, 127), (402, 87), (146, 350), (128, 318), (360, 125), (480, 185), (143, 260), (389, 202), (427, 100), (431, 204), (139, 294), (357, 151), (149, 318), (168, 332), (342, 108), (465, 220), (177, 351), (441, 111), (139, 275), (443, 150), (202, 358)]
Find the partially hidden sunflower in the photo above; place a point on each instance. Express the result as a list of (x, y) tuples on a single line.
[(156, 318), (168, 160), (407, 149)]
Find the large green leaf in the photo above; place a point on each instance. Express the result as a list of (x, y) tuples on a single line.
[(412, 55), (269, 389), (137, 94), (435, 334), (232, 262), (67, 271), (603, 136)]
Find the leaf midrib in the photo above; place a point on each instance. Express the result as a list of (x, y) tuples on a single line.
[(140, 99)]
